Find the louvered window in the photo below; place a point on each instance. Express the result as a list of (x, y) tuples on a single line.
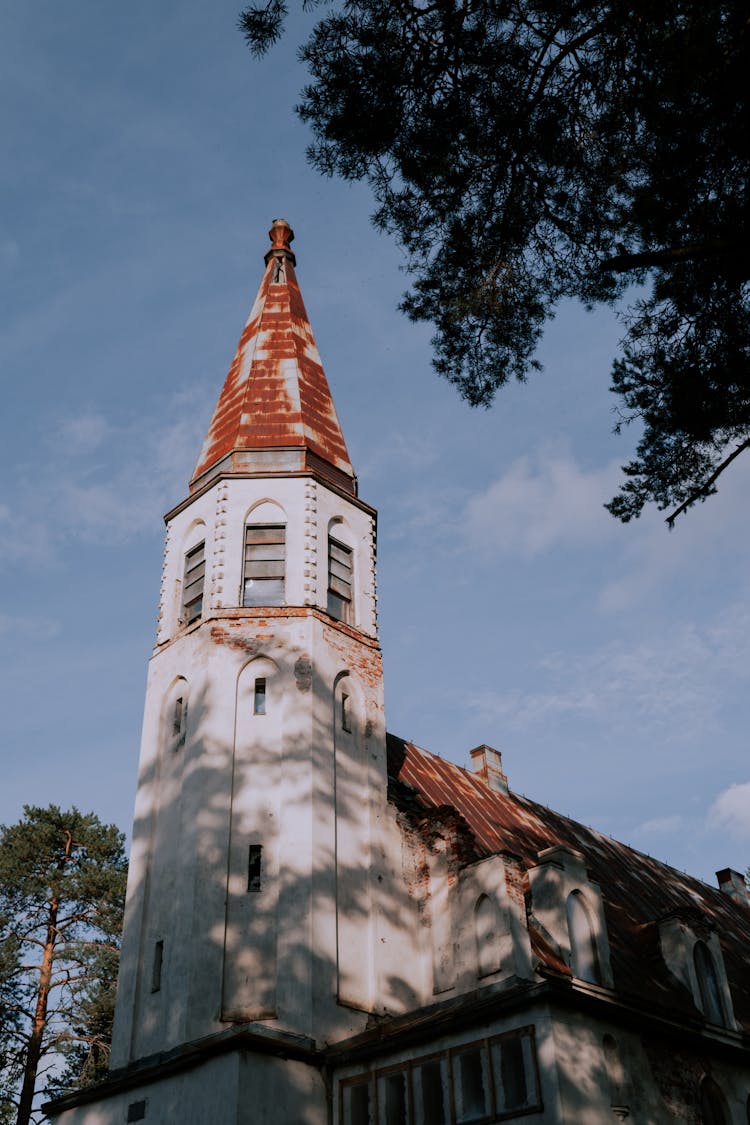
[(339, 580), (265, 564), (192, 587)]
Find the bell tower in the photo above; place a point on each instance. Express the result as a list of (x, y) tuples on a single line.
[(262, 781)]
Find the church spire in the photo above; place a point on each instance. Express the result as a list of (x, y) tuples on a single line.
[(275, 412)]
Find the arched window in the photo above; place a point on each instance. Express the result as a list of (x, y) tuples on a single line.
[(176, 714), (486, 926), (708, 984), (615, 1074), (264, 571), (712, 1105), (584, 959)]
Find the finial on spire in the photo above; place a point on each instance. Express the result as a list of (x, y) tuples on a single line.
[(282, 236)]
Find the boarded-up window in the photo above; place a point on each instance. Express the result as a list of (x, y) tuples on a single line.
[(339, 580), (192, 586), (265, 565)]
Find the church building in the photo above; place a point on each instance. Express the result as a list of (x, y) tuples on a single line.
[(327, 925)]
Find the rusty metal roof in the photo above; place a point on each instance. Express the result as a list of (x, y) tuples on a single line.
[(276, 395), (637, 890)]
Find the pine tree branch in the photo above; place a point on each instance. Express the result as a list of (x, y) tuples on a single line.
[(705, 488), (721, 247)]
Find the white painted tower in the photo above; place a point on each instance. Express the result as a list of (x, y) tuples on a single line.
[(251, 906)]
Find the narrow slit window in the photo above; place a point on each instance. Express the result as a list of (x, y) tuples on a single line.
[(346, 722), (255, 868), (265, 565), (259, 697), (192, 586), (157, 966), (339, 581), (179, 722), (179, 705)]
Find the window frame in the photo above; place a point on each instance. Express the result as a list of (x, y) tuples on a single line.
[(255, 869), (447, 1059), (188, 612), (709, 986), (340, 589), (279, 599)]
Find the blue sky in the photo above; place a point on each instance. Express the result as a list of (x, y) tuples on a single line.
[(145, 155)]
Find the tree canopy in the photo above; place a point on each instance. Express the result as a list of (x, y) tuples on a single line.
[(526, 151), (62, 891)]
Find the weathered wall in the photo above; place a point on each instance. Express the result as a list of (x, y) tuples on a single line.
[(234, 1089), (294, 781)]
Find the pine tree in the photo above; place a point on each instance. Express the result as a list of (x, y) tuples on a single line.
[(527, 151), (62, 890)]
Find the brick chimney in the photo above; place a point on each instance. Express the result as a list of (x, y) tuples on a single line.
[(487, 764), (732, 883)]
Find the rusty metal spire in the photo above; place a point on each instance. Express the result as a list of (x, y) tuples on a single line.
[(275, 411)]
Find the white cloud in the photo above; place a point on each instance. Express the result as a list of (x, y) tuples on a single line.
[(543, 502), (84, 433), (28, 626), (651, 554), (675, 683), (411, 453), (730, 811), (103, 481), (660, 826)]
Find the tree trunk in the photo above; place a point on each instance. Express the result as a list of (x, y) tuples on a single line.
[(34, 1048)]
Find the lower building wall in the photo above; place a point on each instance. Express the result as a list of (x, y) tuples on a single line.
[(606, 1072), (503, 1069), (235, 1089)]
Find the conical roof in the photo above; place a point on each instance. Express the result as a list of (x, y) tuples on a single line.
[(275, 412)]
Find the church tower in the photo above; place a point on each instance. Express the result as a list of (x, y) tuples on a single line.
[(251, 901)]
